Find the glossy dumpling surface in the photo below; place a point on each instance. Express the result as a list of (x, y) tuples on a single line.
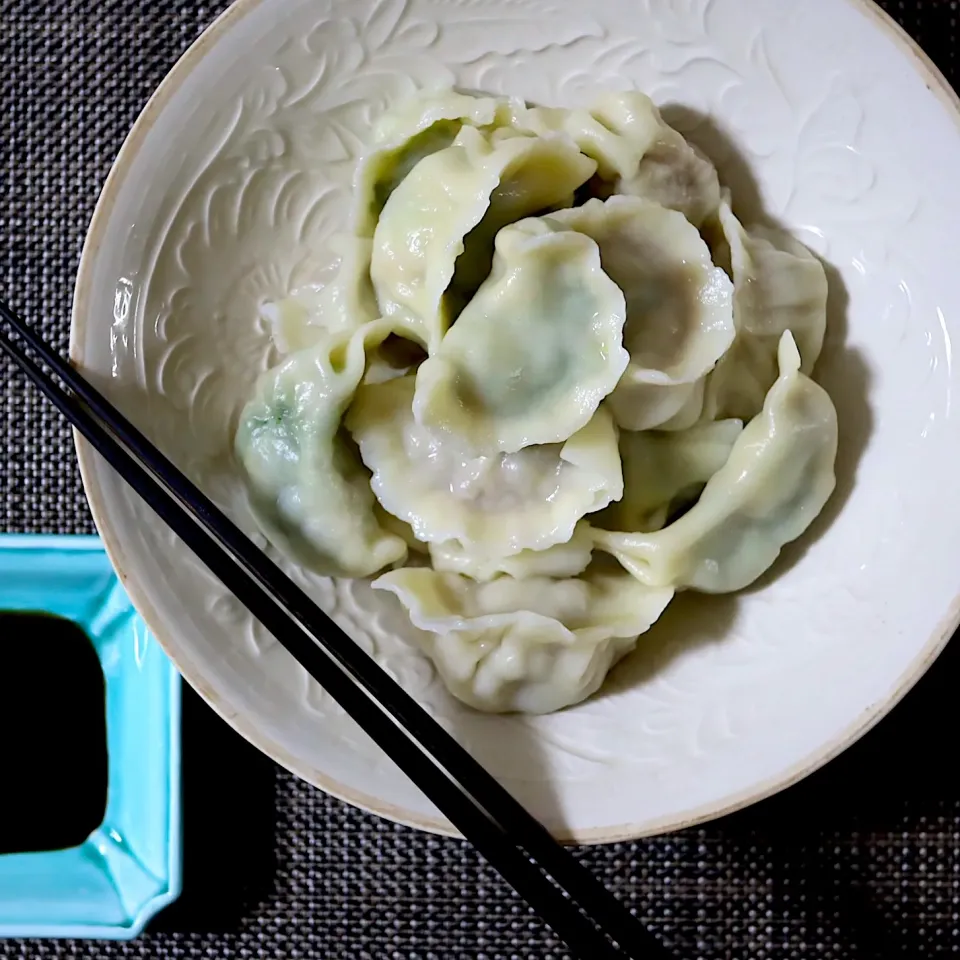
[(666, 471), (778, 477), (616, 132), (534, 645), (674, 174), (306, 487), (562, 560), (536, 350), (422, 229), (679, 306), (496, 505), (637, 152), (779, 286), (404, 137), (555, 376)]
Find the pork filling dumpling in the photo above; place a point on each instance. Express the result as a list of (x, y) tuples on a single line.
[(533, 645), (422, 230), (779, 286), (679, 307), (536, 350), (776, 481), (307, 489), (674, 174), (496, 505), (671, 172), (637, 152)]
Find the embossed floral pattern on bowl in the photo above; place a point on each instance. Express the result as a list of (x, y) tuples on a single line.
[(820, 115)]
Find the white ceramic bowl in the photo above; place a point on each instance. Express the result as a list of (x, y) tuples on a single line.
[(823, 112)]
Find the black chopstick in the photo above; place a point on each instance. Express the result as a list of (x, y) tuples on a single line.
[(495, 832), (526, 878)]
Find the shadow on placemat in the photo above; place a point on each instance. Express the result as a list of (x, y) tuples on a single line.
[(887, 786), (909, 758), (888, 797), (229, 816)]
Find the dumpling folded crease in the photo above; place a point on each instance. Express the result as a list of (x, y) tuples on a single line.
[(776, 480), (498, 504), (307, 488), (534, 645), (536, 350)]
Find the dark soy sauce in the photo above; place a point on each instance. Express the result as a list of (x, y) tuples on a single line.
[(53, 734)]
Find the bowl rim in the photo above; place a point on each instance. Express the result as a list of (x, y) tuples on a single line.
[(935, 82)]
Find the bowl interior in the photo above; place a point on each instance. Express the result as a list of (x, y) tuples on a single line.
[(819, 116)]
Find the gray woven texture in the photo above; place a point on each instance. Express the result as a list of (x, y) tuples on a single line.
[(861, 860)]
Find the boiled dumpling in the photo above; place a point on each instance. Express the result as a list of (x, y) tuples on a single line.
[(665, 471), (513, 199), (403, 530), (344, 304), (676, 175), (529, 380), (637, 152), (421, 231), (534, 645), (535, 352), (348, 302), (616, 132), (497, 505), (423, 126), (679, 307), (562, 560), (292, 323), (777, 479), (779, 286), (306, 487)]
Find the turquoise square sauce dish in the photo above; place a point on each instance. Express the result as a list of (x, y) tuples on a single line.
[(129, 867)]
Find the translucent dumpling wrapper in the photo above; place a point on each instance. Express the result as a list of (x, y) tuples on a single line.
[(637, 152), (779, 285), (403, 137), (534, 353), (307, 489), (291, 322), (344, 304), (403, 530), (776, 481), (679, 307), (560, 561), (395, 357), (495, 505), (423, 227), (664, 472), (534, 645), (528, 383), (616, 132), (674, 174), (509, 202), (348, 302)]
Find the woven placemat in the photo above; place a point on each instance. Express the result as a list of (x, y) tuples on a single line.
[(859, 861)]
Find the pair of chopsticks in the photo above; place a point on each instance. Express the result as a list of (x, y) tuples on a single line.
[(593, 923)]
